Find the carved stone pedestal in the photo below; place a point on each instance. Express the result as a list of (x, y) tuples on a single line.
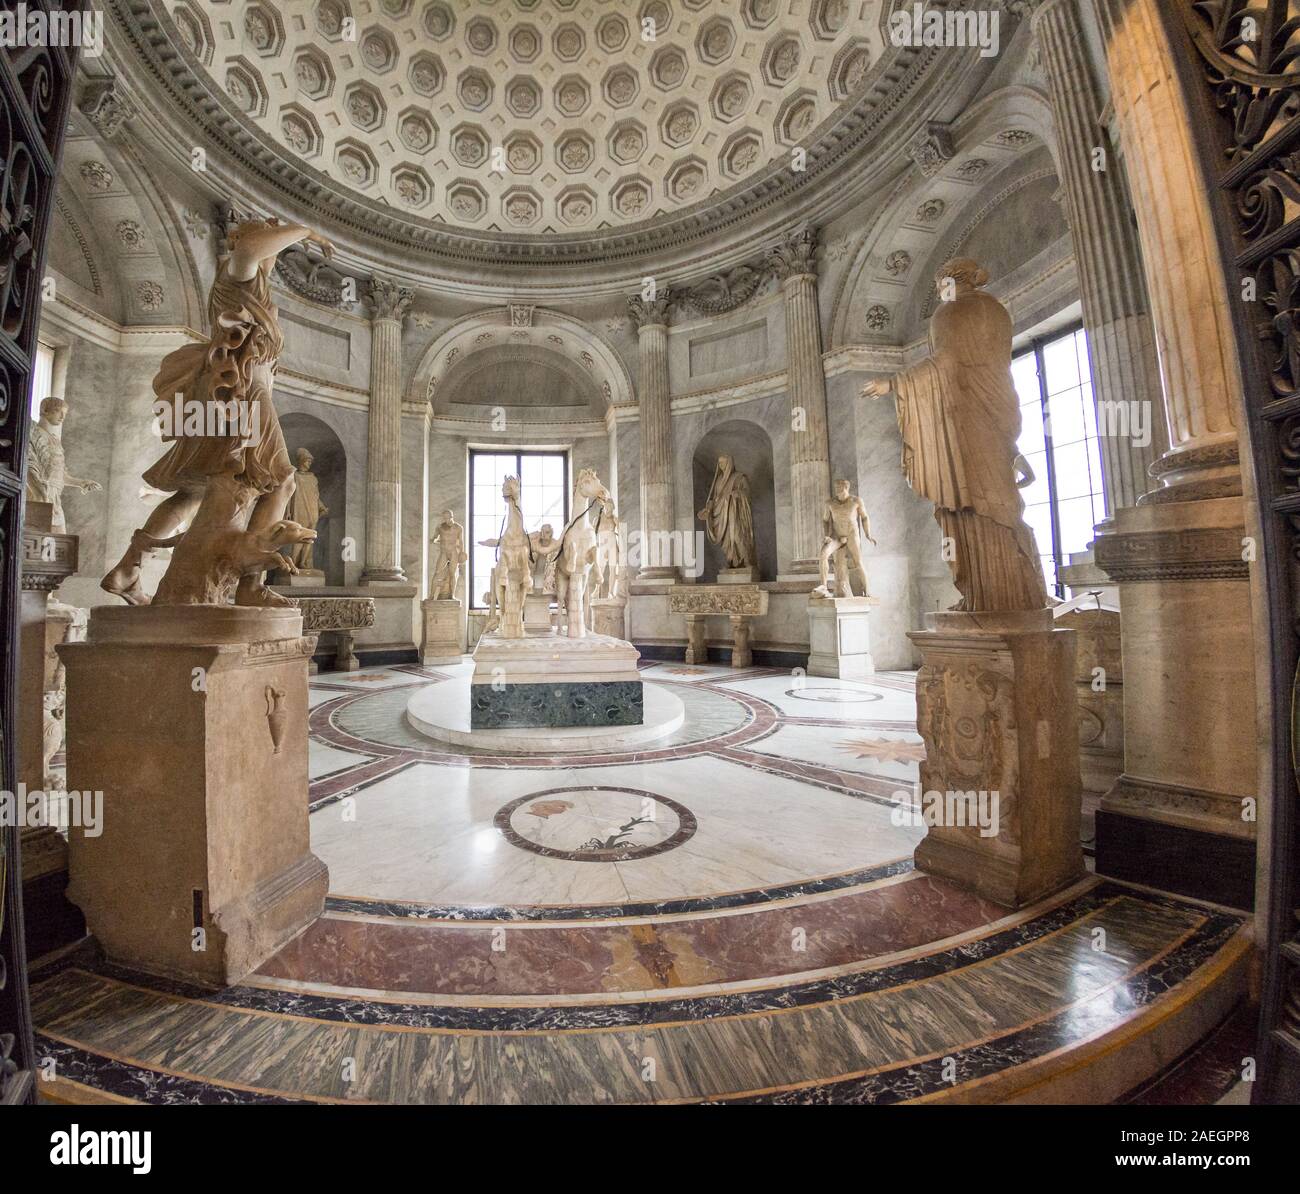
[(192, 722), (554, 682), (537, 613), (44, 622), (440, 642), (609, 616), (839, 637), (1000, 784), (738, 576)]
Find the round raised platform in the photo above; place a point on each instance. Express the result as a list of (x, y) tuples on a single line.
[(441, 712)]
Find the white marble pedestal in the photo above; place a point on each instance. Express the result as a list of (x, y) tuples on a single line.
[(1000, 784), (738, 576), (440, 641), (192, 723), (839, 637)]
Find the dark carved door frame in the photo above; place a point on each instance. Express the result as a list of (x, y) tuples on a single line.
[(35, 87)]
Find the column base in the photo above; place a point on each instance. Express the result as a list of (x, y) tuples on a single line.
[(1000, 785), (1190, 862), (383, 576), (189, 724)]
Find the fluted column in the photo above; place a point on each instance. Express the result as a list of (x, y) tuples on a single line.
[(1116, 312), (1185, 281), (795, 263), (658, 514), (1189, 784), (389, 303)]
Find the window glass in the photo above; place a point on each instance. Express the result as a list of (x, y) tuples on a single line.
[(543, 497), (42, 377), (1058, 438)]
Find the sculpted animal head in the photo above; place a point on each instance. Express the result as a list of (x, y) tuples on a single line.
[(284, 532), (589, 486)]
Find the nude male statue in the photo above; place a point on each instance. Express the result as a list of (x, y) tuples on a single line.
[(449, 535), (841, 518)]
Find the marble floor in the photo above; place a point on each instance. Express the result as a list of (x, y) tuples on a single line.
[(730, 913)]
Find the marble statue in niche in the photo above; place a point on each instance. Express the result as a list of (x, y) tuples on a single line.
[(576, 557), (512, 577), (843, 518), (305, 507), (47, 474), (959, 417), (727, 516), (227, 469), (449, 536)]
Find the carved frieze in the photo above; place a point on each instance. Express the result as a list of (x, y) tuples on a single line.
[(1203, 553), (734, 600), (336, 613)]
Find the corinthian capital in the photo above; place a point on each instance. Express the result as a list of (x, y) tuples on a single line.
[(387, 299), (795, 255), (645, 311)]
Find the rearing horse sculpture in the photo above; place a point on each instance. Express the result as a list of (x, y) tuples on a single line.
[(577, 554), (512, 577)]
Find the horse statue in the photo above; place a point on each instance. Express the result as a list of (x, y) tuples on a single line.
[(512, 577), (607, 551), (577, 555)]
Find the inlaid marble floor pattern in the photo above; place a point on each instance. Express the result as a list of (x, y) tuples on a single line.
[(730, 914)]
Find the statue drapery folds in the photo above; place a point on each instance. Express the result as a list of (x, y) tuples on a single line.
[(959, 417)]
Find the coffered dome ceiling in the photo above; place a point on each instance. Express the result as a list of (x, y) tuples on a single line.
[(519, 120)]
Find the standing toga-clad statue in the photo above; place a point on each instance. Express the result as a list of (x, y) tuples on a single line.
[(305, 507), (727, 516), (959, 417)]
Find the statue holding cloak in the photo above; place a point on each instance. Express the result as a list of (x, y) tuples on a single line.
[(959, 417), (727, 516)]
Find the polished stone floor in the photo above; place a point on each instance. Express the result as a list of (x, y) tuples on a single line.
[(731, 914)]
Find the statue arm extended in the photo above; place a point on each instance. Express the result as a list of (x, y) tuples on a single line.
[(85, 484), (258, 244)]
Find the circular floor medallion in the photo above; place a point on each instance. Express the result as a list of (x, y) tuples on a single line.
[(595, 824), (833, 696)]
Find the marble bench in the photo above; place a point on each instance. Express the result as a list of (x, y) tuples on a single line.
[(739, 602)]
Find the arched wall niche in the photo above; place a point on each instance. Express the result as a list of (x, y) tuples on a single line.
[(148, 272), (875, 299), (530, 380), (330, 464), (521, 327), (750, 448)]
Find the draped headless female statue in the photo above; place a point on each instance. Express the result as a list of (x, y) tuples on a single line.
[(727, 516), (227, 470), (959, 417)]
